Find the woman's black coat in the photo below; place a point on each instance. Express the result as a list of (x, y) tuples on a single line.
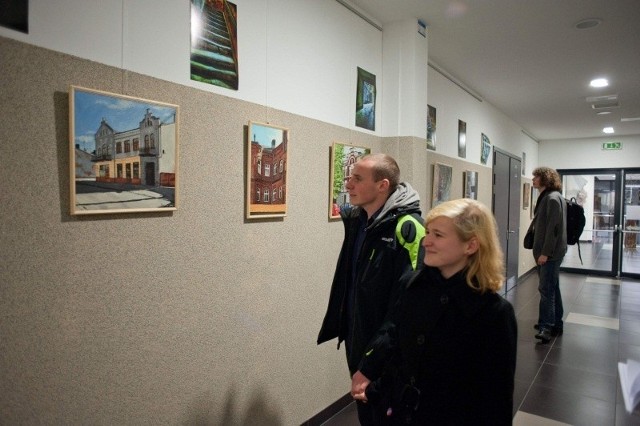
[(451, 349)]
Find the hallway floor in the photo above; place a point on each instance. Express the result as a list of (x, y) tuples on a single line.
[(573, 380)]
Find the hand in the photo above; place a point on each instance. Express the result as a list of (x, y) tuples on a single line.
[(542, 259), (359, 383)]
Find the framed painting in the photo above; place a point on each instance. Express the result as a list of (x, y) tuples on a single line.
[(462, 139), (266, 176), (471, 184), (431, 127), (214, 43), (442, 176), (485, 150), (526, 195), (366, 100), (123, 153), (343, 158), (534, 200)]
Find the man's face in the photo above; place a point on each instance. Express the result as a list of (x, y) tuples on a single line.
[(363, 190)]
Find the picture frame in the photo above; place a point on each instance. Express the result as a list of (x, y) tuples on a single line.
[(343, 158), (214, 47), (366, 100), (526, 195), (431, 127), (462, 139), (485, 149), (441, 185), (266, 173), (534, 200), (123, 153), (470, 179)]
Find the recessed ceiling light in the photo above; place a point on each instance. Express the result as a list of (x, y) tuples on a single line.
[(608, 130), (603, 112), (588, 23), (599, 82)]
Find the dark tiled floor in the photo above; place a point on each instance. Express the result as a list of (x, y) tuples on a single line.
[(573, 379)]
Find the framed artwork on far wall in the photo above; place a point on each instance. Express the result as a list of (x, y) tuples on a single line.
[(431, 128), (471, 184), (266, 176), (462, 139), (343, 158), (442, 177), (485, 149), (123, 153), (526, 195), (534, 200), (366, 100)]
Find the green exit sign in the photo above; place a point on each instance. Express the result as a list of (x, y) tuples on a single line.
[(612, 145)]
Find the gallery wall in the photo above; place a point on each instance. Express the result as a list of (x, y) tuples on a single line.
[(197, 316)]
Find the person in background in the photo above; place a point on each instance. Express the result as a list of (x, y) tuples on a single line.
[(448, 351), (549, 248), (383, 232)]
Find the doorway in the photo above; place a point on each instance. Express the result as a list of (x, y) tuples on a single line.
[(506, 209), (609, 242)]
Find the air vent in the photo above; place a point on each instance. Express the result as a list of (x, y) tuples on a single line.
[(603, 102)]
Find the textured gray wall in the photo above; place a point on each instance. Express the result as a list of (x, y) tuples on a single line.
[(191, 317)]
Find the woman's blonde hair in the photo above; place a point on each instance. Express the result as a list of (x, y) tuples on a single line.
[(471, 218)]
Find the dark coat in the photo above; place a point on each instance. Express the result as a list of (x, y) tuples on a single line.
[(382, 261), (549, 224), (453, 352)]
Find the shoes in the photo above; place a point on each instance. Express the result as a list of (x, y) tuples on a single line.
[(554, 331), (544, 335)]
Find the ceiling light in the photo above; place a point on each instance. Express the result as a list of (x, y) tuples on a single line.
[(630, 119), (608, 130), (588, 23), (599, 82), (603, 112)]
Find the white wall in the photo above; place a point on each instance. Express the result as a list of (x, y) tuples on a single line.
[(588, 153), (298, 56)]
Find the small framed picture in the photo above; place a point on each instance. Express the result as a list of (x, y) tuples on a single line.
[(526, 195), (343, 158), (123, 153), (266, 176), (442, 177), (471, 184)]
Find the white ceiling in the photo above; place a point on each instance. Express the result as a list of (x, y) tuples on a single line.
[(527, 59)]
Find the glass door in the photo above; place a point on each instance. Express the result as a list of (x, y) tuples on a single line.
[(611, 201), (630, 226)]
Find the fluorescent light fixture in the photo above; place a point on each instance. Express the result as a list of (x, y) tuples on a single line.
[(603, 112), (608, 130), (630, 119), (599, 82)]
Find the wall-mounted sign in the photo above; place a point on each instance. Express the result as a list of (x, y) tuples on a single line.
[(612, 145)]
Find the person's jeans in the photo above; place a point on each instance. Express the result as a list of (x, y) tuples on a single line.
[(550, 310)]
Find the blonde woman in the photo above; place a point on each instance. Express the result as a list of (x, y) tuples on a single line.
[(447, 354)]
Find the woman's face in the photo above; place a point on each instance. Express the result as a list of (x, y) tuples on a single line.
[(443, 247)]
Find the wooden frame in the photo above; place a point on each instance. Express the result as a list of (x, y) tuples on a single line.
[(343, 158), (123, 153), (442, 177), (266, 175), (470, 184)]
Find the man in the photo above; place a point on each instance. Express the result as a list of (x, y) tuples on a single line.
[(549, 248), (383, 232)]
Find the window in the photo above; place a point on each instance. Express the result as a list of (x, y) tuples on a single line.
[(266, 196), (267, 170), (136, 144), (281, 166), (275, 194), (153, 141), (119, 170), (275, 169), (136, 170), (118, 147), (128, 170), (259, 166), (127, 146), (257, 194), (280, 193)]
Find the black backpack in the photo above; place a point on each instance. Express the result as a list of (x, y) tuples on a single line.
[(575, 223)]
